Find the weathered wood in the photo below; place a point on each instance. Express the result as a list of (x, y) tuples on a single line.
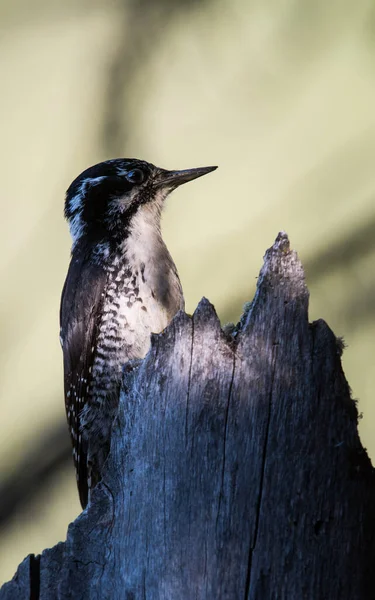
[(236, 470)]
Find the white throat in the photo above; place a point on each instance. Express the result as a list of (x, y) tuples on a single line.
[(144, 242)]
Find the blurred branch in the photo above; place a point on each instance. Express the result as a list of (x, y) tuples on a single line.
[(146, 21), (36, 471), (353, 246), (342, 255)]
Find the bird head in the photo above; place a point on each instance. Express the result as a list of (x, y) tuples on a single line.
[(103, 201)]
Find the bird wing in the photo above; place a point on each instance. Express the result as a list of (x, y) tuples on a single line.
[(80, 310)]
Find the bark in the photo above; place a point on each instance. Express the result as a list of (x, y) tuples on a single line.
[(235, 472)]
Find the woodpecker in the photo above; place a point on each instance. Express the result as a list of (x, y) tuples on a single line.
[(122, 285)]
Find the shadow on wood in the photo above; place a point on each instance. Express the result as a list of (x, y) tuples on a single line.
[(236, 470)]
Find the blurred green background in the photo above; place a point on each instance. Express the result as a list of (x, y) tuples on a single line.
[(280, 95)]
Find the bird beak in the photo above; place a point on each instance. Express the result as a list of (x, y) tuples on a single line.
[(172, 179)]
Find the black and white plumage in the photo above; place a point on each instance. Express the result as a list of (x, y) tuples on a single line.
[(121, 286)]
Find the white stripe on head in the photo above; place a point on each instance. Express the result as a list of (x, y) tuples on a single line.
[(76, 224)]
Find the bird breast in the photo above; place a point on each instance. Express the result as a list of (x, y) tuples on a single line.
[(138, 300), (142, 294)]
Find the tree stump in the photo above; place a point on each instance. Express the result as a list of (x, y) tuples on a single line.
[(235, 472)]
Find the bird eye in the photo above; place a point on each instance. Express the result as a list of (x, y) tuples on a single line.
[(135, 176)]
